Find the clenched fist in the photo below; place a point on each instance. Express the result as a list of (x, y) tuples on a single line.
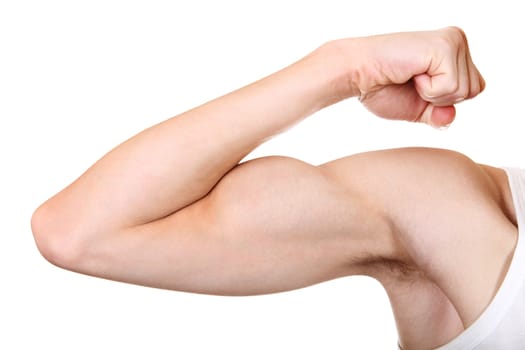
[(414, 76)]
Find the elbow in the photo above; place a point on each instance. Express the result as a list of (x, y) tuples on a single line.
[(55, 241)]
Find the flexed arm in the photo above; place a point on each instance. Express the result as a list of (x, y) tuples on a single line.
[(121, 216)]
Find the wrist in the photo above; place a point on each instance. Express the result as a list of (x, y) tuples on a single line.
[(341, 66)]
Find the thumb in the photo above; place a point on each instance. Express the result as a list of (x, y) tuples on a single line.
[(437, 116)]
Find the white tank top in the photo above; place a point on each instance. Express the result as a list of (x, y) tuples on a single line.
[(502, 325)]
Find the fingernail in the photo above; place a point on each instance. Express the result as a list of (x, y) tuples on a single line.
[(441, 127)]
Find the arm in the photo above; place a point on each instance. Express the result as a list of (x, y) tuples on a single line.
[(454, 224), (144, 212), (175, 163)]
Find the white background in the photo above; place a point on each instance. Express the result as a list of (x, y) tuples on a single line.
[(77, 78)]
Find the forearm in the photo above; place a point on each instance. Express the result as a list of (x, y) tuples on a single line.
[(176, 162)]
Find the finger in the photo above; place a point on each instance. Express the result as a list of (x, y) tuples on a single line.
[(474, 76), (441, 78), (477, 83), (437, 117), (464, 80), (482, 82), (455, 82), (475, 86), (462, 84), (451, 76), (442, 117)]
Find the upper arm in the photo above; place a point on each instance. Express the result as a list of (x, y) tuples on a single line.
[(423, 191), (270, 224)]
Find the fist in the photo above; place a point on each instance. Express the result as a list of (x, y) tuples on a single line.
[(415, 76)]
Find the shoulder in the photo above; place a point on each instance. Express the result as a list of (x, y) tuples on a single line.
[(403, 163), (429, 175), (434, 199), (450, 216), (425, 191)]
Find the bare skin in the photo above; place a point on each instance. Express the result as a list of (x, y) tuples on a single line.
[(173, 208)]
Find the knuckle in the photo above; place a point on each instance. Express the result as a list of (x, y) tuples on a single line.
[(482, 85), (460, 94), (452, 87), (475, 90), (456, 34), (458, 31), (452, 38), (463, 92)]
